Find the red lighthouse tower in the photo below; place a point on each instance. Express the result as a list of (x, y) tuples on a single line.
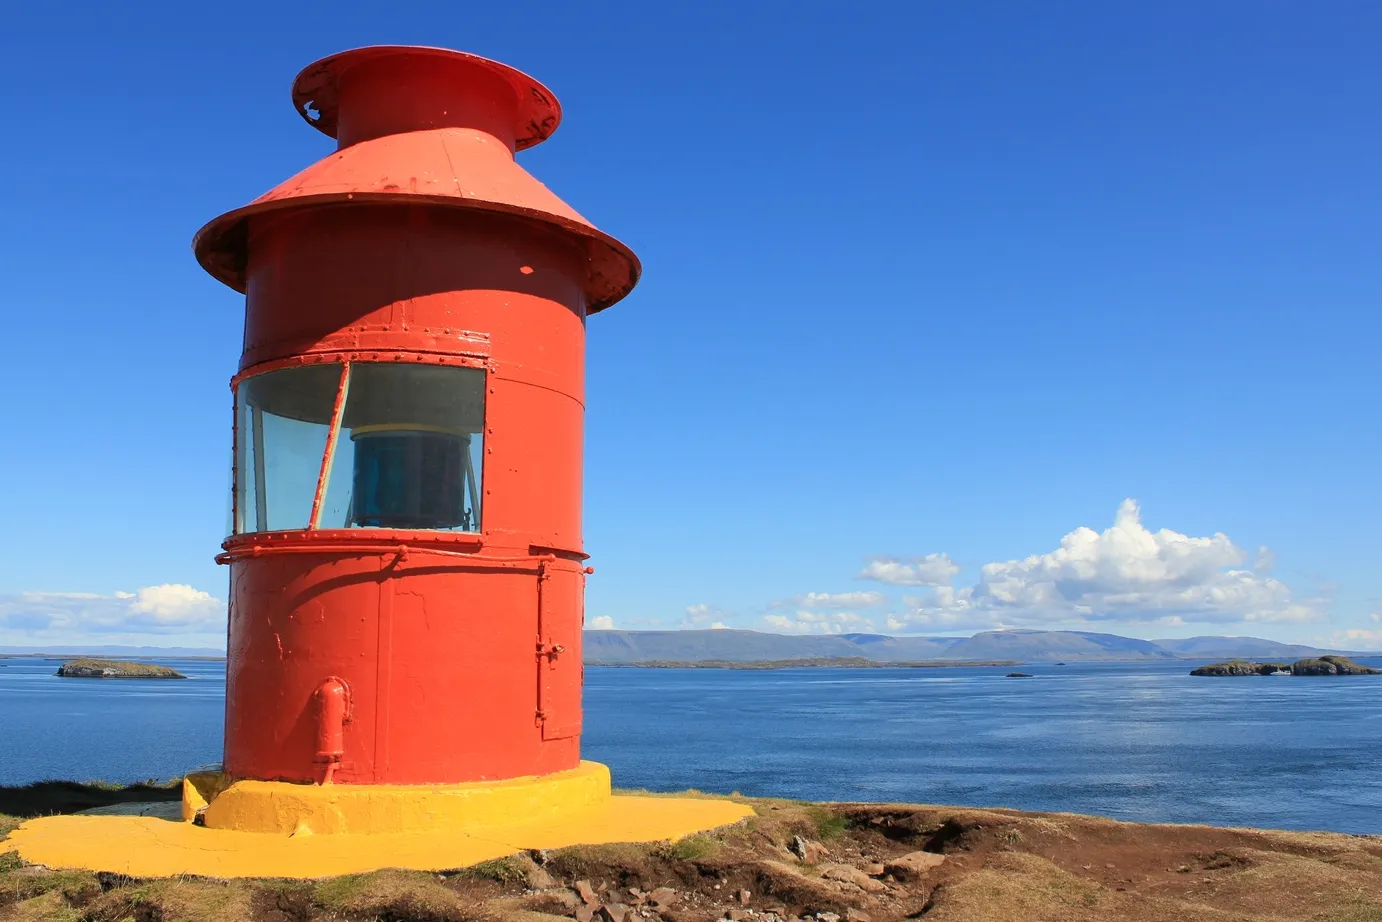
[(407, 570)]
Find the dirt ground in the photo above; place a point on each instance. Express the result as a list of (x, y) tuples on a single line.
[(807, 862)]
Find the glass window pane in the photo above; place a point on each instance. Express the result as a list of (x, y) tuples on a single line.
[(410, 449), (283, 419)]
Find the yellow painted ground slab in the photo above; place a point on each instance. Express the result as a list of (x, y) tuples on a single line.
[(143, 846)]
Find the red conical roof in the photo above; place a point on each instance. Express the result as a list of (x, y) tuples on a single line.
[(423, 126)]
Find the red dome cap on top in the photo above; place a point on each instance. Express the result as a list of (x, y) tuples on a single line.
[(420, 125)]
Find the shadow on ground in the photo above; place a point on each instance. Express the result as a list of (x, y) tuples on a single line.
[(48, 797)]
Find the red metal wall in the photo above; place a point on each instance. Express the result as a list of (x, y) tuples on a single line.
[(439, 651)]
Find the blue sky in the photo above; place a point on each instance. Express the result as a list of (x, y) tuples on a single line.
[(928, 288)]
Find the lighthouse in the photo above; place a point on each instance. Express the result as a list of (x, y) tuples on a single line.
[(407, 569)]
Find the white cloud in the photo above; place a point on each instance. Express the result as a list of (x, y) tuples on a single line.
[(719, 626), (172, 603), (931, 570), (172, 608), (1125, 574), (701, 616), (832, 600), (816, 622), (601, 623), (1357, 639)]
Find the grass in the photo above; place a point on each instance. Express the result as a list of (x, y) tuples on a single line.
[(100, 785), (500, 870), (74, 885), (50, 907), (592, 861), (341, 892), (183, 899), (692, 848), (392, 895), (829, 825)]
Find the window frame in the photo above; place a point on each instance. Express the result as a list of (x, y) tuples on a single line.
[(346, 360)]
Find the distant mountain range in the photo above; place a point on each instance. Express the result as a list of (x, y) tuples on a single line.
[(626, 647), (114, 651), (1023, 646)]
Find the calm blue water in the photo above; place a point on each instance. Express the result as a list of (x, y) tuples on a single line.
[(1133, 741)]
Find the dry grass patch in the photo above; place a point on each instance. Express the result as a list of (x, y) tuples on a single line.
[(618, 861), (24, 883), (516, 869), (1014, 886), (1295, 886), (396, 895), (174, 900), (50, 907)]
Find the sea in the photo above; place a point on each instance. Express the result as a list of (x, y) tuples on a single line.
[(1134, 741)]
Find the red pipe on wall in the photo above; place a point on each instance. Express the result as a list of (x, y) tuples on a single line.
[(333, 712)]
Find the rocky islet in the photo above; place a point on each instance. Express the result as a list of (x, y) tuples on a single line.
[(114, 669), (1310, 666)]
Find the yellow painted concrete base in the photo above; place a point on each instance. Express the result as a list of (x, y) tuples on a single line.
[(332, 809), (450, 828)]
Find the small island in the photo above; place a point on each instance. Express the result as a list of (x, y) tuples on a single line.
[(1018, 675), (115, 669), (1321, 665)]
